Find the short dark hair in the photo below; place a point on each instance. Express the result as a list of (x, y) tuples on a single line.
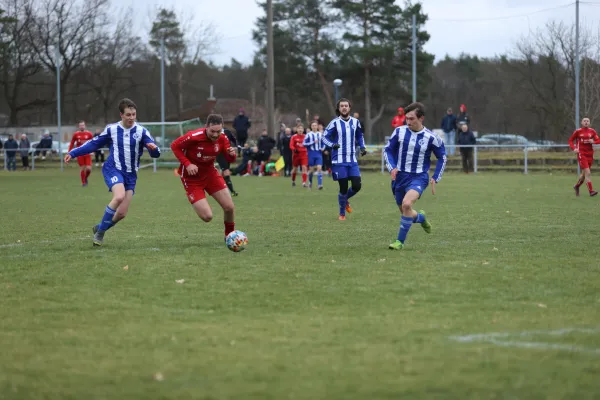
[(214, 119), (126, 103), (417, 107), (337, 105)]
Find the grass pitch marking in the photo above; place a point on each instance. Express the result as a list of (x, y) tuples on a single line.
[(500, 339)]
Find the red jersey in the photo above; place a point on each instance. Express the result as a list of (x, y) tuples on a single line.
[(297, 143), (584, 137), (79, 138), (196, 148), (398, 121)]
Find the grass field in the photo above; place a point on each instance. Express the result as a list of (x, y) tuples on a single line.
[(314, 308)]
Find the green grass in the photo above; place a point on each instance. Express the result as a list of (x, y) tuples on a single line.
[(314, 308)]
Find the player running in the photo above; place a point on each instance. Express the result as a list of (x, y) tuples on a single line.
[(85, 161), (342, 135), (581, 142), (299, 154), (126, 140), (197, 151), (408, 156), (314, 143)]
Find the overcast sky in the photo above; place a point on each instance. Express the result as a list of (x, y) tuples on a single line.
[(479, 27)]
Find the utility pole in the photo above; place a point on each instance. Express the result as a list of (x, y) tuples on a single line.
[(270, 72), (577, 71), (414, 58)]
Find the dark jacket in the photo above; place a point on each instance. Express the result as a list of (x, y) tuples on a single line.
[(463, 118), (45, 143), (285, 145), (466, 139), (24, 146), (265, 144), (11, 147), (232, 139), (241, 124), (449, 123)]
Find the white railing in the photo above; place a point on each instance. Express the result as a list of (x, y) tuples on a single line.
[(491, 147)]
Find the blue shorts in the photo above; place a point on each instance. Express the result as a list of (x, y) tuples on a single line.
[(112, 176), (344, 170), (315, 158), (406, 181)]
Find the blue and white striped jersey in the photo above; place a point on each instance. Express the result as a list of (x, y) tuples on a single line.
[(126, 146), (346, 133), (410, 151), (313, 141)]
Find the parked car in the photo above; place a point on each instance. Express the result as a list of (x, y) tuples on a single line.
[(55, 148)]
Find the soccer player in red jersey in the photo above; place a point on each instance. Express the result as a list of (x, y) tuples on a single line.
[(581, 142), (197, 151), (85, 162), (299, 155)]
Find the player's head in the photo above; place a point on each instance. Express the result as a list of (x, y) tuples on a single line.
[(300, 129), (128, 111), (585, 122), (343, 107), (320, 127), (314, 126), (82, 126), (415, 114), (214, 126)]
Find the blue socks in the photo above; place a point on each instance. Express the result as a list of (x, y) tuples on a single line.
[(342, 200), (310, 176), (350, 193), (106, 223), (405, 224), (320, 178), (419, 219)]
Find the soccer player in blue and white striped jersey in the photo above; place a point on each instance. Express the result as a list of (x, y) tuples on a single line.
[(313, 141), (126, 140), (342, 134), (408, 157)]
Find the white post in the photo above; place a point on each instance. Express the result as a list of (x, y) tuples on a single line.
[(382, 163), (577, 71), (58, 110), (475, 159), (162, 95), (525, 160)]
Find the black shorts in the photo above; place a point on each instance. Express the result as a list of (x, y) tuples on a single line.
[(260, 157), (223, 164)]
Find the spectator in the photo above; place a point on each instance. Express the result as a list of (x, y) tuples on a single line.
[(10, 148), (449, 126), (286, 152), (45, 144), (318, 119), (241, 124), (99, 154), (24, 146), (466, 138), (248, 156), (265, 145), (399, 119), (463, 117)]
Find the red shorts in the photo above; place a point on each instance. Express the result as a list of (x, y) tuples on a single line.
[(299, 160), (84, 161), (585, 160), (197, 187)]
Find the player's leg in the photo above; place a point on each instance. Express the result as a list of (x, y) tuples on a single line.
[(81, 163), (304, 169), (261, 171), (108, 218), (203, 210), (295, 165), (339, 174), (588, 178), (320, 176), (408, 215), (227, 178), (88, 167), (226, 202)]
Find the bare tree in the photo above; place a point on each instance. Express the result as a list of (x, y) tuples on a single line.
[(65, 30), (19, 62)]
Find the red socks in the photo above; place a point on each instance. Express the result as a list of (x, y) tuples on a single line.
[(304, 176), (294, 175), (249, 169), (262, 168), (229, 227), (589, 185), (83, 176)]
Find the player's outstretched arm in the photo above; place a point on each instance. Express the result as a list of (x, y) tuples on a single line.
[(572, 141), (151, 145), (390, 151), (360, 138), (91, 145)]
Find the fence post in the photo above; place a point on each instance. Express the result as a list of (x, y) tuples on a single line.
[(475, 159), (154, 162), (382, 163), (33, 160), (525, 159), (5, 161)]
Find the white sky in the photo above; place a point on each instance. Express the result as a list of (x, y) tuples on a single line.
[(478, 27)]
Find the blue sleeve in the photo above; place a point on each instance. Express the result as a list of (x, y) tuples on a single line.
[(147, 138), (330, 137), (98, 142), (440, 153), (390, 151), (360, 135), (309, 139)]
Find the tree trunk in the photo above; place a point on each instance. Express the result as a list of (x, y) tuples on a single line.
[(369, 125), (179, 91)]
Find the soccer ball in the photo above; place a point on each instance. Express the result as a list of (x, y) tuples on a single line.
[(236, 241)]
